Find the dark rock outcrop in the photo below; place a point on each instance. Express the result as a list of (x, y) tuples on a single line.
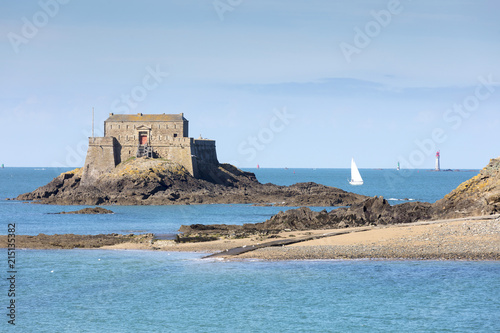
[(159, 182), (372, 211)]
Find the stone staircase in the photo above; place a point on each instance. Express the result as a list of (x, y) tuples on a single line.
[(144, 150)]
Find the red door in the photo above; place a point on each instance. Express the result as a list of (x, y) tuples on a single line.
[(143, 139)]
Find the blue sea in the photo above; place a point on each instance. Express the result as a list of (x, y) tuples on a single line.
[(136, 291)]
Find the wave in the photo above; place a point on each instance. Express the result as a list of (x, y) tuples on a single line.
[(405, 199)]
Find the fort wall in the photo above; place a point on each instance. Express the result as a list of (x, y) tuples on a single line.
[(167, 139), (205, 150), (102, 157), (156, 131)]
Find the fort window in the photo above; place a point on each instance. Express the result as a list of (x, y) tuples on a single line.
[(175, 135), (119, 126)]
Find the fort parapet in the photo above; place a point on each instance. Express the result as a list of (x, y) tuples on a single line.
[(153, 135)]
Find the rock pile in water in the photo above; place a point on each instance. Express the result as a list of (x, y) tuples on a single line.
[(92, 211), (146, 181), (372, 211)]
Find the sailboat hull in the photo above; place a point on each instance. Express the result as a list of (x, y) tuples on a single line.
[(354, 182)]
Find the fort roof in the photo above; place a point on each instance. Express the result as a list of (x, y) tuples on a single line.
[(145, 117)]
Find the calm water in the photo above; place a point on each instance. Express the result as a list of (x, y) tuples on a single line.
[(135, 291)]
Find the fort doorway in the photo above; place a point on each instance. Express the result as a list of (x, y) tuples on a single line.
[(143, 138)]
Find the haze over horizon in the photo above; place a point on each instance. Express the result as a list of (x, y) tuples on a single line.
[(279, 84)]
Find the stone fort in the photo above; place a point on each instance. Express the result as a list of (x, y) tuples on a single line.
[(153, 135)]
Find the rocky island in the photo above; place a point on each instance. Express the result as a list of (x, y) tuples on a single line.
[(150, 160), (146, 181)]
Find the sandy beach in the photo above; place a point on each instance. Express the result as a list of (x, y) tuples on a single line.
[(466, 239), (456, 239)]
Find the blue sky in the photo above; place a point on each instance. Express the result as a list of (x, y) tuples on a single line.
[(276, 83)]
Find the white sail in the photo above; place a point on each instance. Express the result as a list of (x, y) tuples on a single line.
[(355, 175)]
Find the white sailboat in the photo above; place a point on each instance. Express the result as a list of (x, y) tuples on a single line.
[(355, 175)]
